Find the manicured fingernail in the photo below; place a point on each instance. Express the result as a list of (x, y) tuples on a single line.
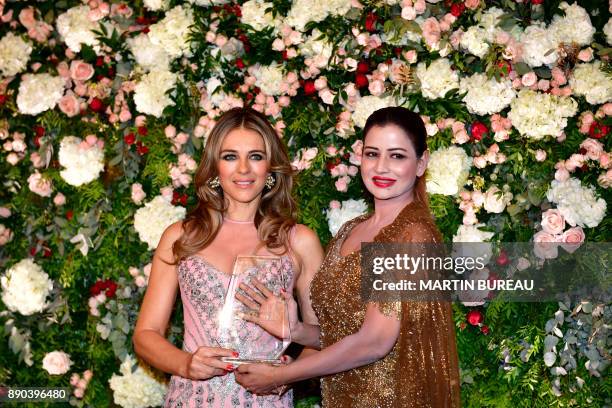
[(284, 358), (229, 367), (235, 354)]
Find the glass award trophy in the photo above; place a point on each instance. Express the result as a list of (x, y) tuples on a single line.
[(253, 343)]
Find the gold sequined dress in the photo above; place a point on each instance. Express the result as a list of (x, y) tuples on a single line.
[(422, 368)]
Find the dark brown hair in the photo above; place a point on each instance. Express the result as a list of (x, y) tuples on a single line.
[(414, 127), (276, 214)]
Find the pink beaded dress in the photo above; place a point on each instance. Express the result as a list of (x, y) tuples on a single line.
[(203, 287)]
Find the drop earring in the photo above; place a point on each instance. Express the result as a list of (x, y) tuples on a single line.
[(270, 181), (214, 182)]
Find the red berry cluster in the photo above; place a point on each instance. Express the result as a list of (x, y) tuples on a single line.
[(108, 286)]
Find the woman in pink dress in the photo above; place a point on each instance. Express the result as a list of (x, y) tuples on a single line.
[(244, 207)]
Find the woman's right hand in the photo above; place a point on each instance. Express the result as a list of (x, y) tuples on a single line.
[(278, 315), (206, 362)]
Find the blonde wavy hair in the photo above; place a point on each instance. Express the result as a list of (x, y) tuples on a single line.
[(276, 214)]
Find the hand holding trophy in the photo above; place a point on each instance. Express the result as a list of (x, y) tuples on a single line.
[(254, 320)]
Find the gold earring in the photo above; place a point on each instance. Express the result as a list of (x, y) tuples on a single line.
[(270, 181), (214, 182)]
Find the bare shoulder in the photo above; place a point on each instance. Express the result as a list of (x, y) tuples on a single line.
[(304, 239), (171, 234)]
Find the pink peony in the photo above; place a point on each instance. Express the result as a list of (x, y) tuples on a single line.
[(431, 31), (593, 148)]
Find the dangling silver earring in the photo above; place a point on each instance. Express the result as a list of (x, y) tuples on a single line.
[(270, 181), (214, 183)]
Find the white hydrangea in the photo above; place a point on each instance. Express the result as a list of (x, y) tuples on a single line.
[(486, 96), (474, 40), (150, 92), (156, 5), (39, 92), (578, 204), (304, 11), (148, 55), (254, 14), (207, 3), (76, 28), (437, 79), (536, 115), (136, 389), (539, 46), (172, 32), (349, 209), (574, 27), (268, 78), (83, 162), (151, 220), (367, 105), (448, 170), (607, 30), (470, 241), (489, 21), (321, 50), (25, 287), (14, 54), (589, 80)]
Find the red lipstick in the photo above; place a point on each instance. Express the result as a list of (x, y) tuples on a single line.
[(383, 182)]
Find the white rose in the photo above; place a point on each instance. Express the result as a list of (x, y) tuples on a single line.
[(496, 200), (56, 363)]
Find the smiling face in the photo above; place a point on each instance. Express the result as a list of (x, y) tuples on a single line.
[(243, 165), (389, 165)]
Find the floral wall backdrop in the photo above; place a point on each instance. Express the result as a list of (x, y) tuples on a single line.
[(105, 107)]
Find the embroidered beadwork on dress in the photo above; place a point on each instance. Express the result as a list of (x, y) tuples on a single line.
[(203, 288)]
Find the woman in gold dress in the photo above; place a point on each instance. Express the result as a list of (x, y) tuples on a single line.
[(389, 354)]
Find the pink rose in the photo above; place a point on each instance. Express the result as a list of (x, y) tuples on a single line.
[(558, 76), (562, 174), (376, 88), (69, 105), (545, 245), (166, 192), (88, 374), (5, 212), (480, 162), (80, 70), (342, 183), (26, 17), (586, 55), (327, 96), (138, 193), (575, 161), (529, 79), (79, 392), (540, 155), (553, 222), (604, 160), (335, 204), (310, 153), (593, 148), (140, 281), (572, 239), (431, 31), (408, 13), (59, 199), (40, 185), (472, 4), (56, 362)]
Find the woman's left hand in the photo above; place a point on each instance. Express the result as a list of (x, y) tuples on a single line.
[(259, 378)]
